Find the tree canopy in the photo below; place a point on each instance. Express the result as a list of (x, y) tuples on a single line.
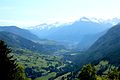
[(8, 66), (87, 73)]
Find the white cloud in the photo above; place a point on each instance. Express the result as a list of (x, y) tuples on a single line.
[(19, 23)]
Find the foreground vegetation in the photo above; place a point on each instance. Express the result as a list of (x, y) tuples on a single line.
[(38, 66), (35, 66), (101, 71)]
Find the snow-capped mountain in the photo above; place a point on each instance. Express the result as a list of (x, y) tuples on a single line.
[(43, 26), (112, 21), (75, 31)]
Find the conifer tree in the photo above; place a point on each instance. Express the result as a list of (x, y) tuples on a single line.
[(114, 74), (88, 73), (8, 66)]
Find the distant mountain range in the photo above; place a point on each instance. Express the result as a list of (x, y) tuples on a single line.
[(73, 33)]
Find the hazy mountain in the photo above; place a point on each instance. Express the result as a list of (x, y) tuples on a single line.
[(21, 32), (107, 46), (113, 21), (88, 40), (72, 33), (18, 42)]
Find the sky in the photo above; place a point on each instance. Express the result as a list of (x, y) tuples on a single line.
[(25, 13)]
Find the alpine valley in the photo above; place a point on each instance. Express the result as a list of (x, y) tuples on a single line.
[(60, 51)]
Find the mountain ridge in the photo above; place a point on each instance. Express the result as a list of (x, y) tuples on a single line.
[(18, 42), (22, 32)]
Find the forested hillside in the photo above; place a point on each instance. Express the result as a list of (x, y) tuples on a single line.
[(108, 46)]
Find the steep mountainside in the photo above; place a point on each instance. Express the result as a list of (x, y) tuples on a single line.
[(16, 41), (22, 32), (107, 47)]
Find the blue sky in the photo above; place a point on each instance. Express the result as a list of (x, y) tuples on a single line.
[(34, 12)]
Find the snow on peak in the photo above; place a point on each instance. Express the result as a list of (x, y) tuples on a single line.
[(112, 21)]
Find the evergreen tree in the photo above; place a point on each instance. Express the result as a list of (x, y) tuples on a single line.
[(114, 74), (8, 66), (87, 73)]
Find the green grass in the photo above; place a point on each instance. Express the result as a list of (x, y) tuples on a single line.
[(60, 77), (39, 63), (50, 75)]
